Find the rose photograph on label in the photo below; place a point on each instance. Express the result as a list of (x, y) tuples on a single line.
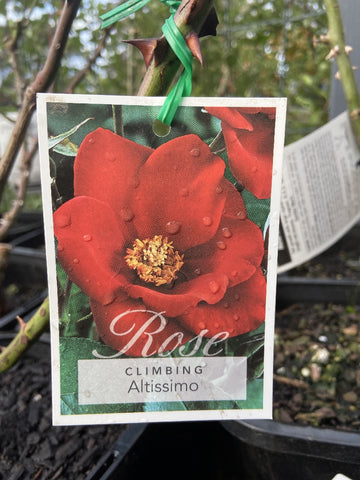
[(162, 256)]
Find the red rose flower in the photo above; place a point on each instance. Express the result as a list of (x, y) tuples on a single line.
[(249, 138), (160, 231)]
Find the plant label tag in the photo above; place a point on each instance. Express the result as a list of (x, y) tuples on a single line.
[(162, 255)]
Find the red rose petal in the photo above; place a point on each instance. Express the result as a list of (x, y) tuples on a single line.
[(146, 330), (251, 165), (240, 311), (236, 251), (207, 288), (249, 138), (88, 238), (234, 204), (106, 168), (232, 116), (179, 186), (235, 117)]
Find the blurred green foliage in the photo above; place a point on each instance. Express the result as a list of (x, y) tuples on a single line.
[(263, 48)]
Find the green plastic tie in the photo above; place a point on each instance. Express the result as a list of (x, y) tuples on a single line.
[(183, 86), (172, 4), (122, 11), (177, 43)]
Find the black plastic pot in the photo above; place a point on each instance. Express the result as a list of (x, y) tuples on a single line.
[(317, 290), (28, 230), (229, 450), (191, 450), (27, 270), (295, 287), (268, 450)]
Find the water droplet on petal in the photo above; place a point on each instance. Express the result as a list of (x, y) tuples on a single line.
[(216, 325), (234, 273), (109, 297), (221, 245), (76, 260), (126, 214), (226, 305), (226, 232), (241, 214), (62, 220), (87, 237), (195, 152), (236, 317), (60, 248), (91, 140), (207, 221), (237, 296), (197, 271), (173, 227), (219, 189), (202, 325), (184, 192), (214, 286)]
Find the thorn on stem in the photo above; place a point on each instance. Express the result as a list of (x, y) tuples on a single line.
[(355, 113), (333, 53), (146, 47), (322, 39), (192, 41), (22, 324)]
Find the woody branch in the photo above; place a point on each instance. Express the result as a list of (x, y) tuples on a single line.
[(340, 52)]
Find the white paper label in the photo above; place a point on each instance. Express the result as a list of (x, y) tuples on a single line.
[(140, 380)]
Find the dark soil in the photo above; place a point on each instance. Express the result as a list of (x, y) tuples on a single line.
[(316, 370), (317, 348), (30, 447)]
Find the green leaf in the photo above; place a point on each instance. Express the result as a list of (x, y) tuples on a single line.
[(254, 396), (76, 310), (257, 210), (67, 146), (73, 349)]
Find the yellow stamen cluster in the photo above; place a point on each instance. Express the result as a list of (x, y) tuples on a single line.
[(155, 260)]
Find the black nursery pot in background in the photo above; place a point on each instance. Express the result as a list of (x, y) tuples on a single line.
[(246, 450), (269, 450), (25, 275), (26, 271), (28, 230)]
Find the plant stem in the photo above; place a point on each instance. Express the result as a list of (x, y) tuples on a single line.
[(29, 332), (164, 66), (336, 39)]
